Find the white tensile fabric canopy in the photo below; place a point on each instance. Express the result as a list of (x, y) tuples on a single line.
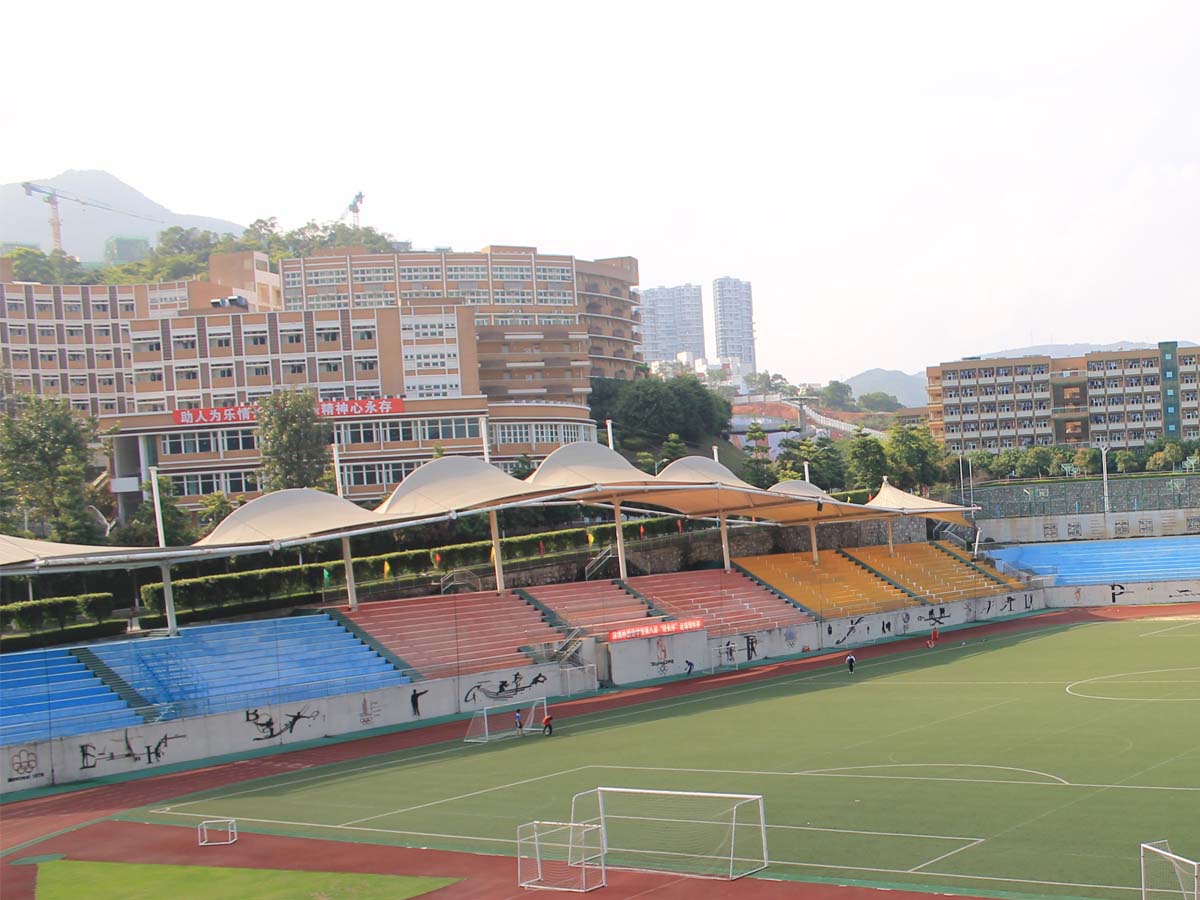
[(892, 499), (582, 472)]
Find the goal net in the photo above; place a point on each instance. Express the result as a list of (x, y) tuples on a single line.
[(725, 657), (495, 722), (560, 856), (690, 833), (1168, 875)]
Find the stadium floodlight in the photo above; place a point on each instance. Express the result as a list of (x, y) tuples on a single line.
[(560, 856), (1167, 875), (684, 832), (493, 723)]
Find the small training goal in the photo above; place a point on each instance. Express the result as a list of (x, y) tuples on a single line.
[(1167, 875), (560, 856), (493, 723), (685, 832)]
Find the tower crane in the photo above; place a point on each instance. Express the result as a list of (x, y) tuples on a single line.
[(353, 208), (52, 195)]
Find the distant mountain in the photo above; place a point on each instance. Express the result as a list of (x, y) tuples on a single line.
[(26, 220), (908, 389)]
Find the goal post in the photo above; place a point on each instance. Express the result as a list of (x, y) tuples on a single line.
[(493, 723), (1167, 875), (686, 832), (725, 657), (560, 856)]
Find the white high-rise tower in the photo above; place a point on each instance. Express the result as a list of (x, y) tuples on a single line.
[(733, 306), (672, 322)]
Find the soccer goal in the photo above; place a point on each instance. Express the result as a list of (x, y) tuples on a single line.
[(495, 722), (1168, 875), (686, 832), (726, 657), (560, 856)]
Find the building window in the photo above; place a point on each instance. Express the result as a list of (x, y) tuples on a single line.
[(239, 439)]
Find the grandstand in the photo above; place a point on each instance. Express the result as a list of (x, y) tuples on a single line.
[(837, 587), (594, 606), (217, 668), (51, 693), (456, 633), (729, 601), (1099, 562), (930, 571)]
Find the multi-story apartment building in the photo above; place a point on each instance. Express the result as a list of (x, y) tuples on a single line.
[(673, 322), (545, 324), (1119, 399), (176, 369), (733, 305)]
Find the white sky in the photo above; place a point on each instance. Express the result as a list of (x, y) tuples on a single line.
[(903, 183)]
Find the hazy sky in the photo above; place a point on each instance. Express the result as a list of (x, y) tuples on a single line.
[(904, 183)]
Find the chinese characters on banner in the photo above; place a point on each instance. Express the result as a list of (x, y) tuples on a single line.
[(232, 415), (655, 629)]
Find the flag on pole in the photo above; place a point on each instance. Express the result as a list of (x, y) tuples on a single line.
[(591, 538), (387, 568), (679, 522), (328, 575), (642, 531), (492, 554)]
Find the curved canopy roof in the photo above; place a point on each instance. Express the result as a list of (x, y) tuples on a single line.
[(26, 550), (586, 465), (288, 515), (893, 499), (455, 484)]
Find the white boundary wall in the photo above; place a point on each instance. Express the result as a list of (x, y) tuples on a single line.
[(1130, 593), (138, 749)]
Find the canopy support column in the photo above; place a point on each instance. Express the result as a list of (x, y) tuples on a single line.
[(624, 573), (891, 546), (495, 526), (812, 540), (351, 586), (725, 542), (169, 600)]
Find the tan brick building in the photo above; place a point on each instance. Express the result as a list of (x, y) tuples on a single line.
[(410, 353)]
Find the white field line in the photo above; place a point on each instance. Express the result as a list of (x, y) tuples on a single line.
[(1185, 623), (974, 843), (833, 773), (498, 787), (1070, 688), (587, 721), (932, 837), (941, 766), (775, 862)]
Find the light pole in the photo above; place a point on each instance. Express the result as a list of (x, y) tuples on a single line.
[(962, 493), (1104, 476), (660, 464)]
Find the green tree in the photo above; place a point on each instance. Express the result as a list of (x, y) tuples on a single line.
[(913, 456), (1087, 460), (645, 461), (214, 509), (878, 401), (1127, 462), (672, 449), (648, 408), (524, 467), (837, 395), (703, 413), (1004, 462), (34, 445), (757, 470), (1035, 462), (866, 461), (142, 529), (72, 521), (293, 442), (30, 264), (826, 466)]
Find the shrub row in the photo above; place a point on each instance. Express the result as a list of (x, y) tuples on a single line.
[(32, 615), (303, 584), (72, 634)]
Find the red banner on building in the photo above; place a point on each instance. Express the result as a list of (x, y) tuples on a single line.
[(655, 629), (232, 415)]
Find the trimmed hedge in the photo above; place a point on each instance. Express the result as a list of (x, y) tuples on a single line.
[(32, 615), (858, 495), (72, 634)]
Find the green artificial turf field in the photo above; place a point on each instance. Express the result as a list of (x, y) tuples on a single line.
[(70, 880), (1031, 763)]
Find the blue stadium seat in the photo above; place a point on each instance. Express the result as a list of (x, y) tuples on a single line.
[(1103, 562)]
